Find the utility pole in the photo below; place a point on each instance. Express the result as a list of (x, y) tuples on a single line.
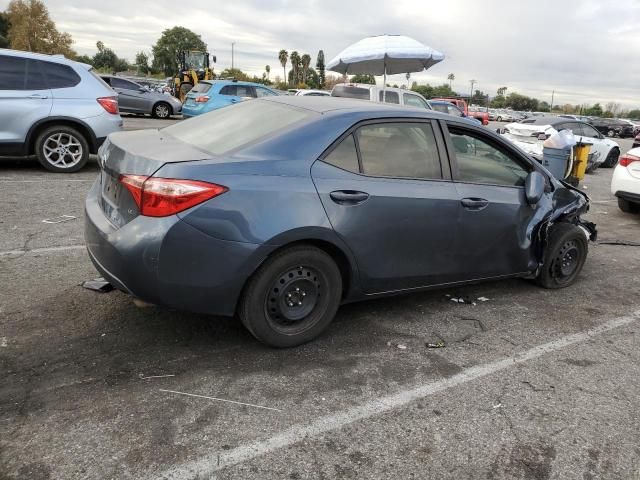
[(232, 45), (472, 82), (553, 92)]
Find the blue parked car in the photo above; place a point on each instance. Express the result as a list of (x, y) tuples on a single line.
[(210, 95), (280, 209)]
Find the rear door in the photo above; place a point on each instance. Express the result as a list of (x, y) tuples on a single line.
[(24, 99), (386, 194), (492, 236)]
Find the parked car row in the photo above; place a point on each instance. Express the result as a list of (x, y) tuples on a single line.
[(530, 137)]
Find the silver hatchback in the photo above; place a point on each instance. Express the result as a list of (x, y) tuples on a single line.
[(54, 108)]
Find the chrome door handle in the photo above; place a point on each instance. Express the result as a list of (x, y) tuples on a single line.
[(38, 96), (474, 203), (348, 197)]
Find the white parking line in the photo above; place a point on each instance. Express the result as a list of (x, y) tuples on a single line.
[(65, 248), (206, 466)]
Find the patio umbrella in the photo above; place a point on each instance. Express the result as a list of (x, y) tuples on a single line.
[(385, 54)]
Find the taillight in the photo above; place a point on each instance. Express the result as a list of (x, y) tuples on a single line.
[(627, 159), (161, 197), (202, 99), (110, 104)]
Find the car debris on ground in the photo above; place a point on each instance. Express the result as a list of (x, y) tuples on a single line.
[(60, 219), (98, 285)]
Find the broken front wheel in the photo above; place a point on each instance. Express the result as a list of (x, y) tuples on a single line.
[(566, 253)]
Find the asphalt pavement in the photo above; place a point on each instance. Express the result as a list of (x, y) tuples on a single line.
[(531, 383)]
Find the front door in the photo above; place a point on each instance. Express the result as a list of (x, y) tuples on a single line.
[(386, 195), (495, 221)]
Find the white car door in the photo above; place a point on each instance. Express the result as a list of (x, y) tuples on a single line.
[(585, 133)]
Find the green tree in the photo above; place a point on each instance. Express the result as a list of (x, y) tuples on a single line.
[(502, 91), (451, 77), (595, 111), (294, 58), (84, 59), (4, 30), (305, 61), (521, 102), (283, 57), (267, 69), (142, 63), (363, 78), (544, 107), (166, 51), (106, 59), (320, 67), (634, 114), (31, 29), (424, 90), (479, 98), (443, 90)]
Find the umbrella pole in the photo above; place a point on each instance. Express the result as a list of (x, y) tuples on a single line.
[(384, 83)]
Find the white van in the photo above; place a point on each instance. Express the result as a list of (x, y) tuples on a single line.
[(374, 93)]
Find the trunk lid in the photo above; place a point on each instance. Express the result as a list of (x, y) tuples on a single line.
[(141, 152)]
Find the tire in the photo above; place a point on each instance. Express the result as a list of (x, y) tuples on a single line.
[(62, 149), (566, 252), (272, 306), (499, 119), (611, 133), (628, 207), (162, 110), (612, 159)]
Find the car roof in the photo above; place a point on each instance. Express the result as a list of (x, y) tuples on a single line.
[(550, 120), (233, 82), (342, 105), (41, 56)]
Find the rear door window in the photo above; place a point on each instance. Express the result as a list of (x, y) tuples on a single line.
[(263, 92), (13, 73), (123, 84), (480, 161), (345, 155), (402, 149), (589, 131), (58, 75)]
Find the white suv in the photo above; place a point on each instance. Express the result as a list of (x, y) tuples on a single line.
[(54, 108), (373, 93), (625, 183)]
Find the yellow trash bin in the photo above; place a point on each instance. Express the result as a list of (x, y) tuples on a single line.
[(580, 160)]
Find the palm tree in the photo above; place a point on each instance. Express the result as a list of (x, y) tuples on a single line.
[(283, 56), (295, 64), (451, 77), (306, 61), (268, 70)]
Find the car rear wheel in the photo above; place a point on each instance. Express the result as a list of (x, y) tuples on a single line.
[(292, 297), (628, 207), (611, 133), (161, 110), (499, 119), (566, 252), (62, 149), (612, 158)]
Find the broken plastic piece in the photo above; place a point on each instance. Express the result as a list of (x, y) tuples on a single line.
[(438, 344), (60, 219), (97, 285), (483, 299)]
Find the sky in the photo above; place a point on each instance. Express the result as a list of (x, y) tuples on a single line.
[(583, 49)]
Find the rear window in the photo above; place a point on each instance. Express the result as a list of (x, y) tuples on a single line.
[(235, 126), (389, 97), (351, 92), (202, 87), (99, 78)]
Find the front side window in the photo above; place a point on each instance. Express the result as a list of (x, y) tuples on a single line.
[(399, 150), (345, 155), (479, 161), (391, 97), (229, 90), (123, 84), (414, 101), (455, 111)]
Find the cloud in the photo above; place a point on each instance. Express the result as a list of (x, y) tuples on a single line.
[(583, 50)]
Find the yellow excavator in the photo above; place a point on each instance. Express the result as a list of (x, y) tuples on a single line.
[(193, 66)]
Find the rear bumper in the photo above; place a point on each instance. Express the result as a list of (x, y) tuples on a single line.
[(630, 197), (166, 261), (624, 185)]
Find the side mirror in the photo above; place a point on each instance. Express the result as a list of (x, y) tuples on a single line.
[(534, 187)]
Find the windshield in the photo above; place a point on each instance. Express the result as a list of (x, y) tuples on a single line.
[(195, 60), (229, 128)]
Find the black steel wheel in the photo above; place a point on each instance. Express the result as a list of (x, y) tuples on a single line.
[(565, 254), (292, 297)]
